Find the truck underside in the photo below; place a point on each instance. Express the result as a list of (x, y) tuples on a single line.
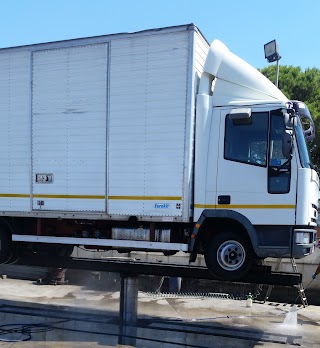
[(19, 234), (226, 245)]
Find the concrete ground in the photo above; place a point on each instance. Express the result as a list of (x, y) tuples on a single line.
[(34, 315)]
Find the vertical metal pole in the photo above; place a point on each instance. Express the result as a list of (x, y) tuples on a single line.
[(128, 309), (277, 74), (175, 284)]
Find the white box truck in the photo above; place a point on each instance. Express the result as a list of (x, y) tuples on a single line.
[(152, 141)]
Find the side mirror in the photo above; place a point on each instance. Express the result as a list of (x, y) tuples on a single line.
[(308, 127), (289, 120), (287, 144)]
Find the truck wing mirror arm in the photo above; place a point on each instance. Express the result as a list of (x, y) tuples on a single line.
[(287, 144), (289, 118)]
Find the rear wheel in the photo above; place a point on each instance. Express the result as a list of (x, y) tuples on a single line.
[(229, 256)]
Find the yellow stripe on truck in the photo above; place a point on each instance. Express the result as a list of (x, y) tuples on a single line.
[(245, 206), (14, 195), (69, 196), (145, 198), (22, 195), (132, 198)]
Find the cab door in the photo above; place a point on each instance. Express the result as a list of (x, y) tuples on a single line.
[(253, 176)]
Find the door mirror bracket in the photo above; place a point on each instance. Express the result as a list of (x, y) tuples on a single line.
[(287, 144)]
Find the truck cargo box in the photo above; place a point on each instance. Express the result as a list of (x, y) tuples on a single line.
[(101, 127)]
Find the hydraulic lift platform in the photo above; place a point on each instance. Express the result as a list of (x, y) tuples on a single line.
[(131, 267)]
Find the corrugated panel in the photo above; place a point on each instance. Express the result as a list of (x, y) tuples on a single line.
[(15, 144), (69, 127), (201, 47), (148, 89)]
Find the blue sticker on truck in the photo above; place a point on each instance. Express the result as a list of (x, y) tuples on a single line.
[(162, 205)]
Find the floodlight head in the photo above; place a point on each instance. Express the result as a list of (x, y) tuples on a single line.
[(271, 51)]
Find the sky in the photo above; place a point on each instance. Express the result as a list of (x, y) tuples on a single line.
[(244, 26)]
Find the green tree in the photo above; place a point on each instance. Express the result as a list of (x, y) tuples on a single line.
[(304, 86)]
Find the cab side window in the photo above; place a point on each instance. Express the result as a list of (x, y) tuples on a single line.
[(279, 169), (246, 141)]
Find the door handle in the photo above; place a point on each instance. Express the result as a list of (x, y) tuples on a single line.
[(224, 199)]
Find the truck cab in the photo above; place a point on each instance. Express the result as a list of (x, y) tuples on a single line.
[(256, 192)]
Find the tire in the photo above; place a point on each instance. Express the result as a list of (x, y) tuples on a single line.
[(229, 256)]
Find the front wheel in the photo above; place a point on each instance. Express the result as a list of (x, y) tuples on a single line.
[(229, 256)]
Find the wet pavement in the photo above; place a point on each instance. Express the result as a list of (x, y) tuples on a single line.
[(34, 315)]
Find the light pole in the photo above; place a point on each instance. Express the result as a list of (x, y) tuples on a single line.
[(271, 53)]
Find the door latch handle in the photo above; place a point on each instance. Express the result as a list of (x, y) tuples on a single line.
[(224, 199)]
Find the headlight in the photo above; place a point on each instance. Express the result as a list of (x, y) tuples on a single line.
[(302, 238)]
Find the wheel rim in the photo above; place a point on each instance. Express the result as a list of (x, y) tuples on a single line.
[(231, 255)]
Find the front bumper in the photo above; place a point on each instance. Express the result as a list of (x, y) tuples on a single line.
[(303, 243)]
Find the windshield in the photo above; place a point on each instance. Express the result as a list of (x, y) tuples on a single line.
[(302, 145)]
